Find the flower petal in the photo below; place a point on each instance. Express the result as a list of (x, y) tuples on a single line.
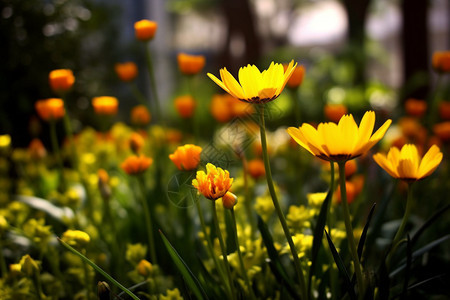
[(384, 163), (430, 162), (231, 83)]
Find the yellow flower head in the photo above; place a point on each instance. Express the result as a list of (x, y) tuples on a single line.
[(214, 183), (406, 163), (254, 86), (186, 157), (342, 141), (76, 238)]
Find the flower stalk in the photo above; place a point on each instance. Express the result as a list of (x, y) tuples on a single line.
[(148, 220), (153, 84), (349, 230), (273, 195), (55, 146)]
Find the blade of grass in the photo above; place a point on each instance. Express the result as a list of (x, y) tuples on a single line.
[(341, 267), (318, 235), (408, 267), (98, 269), (428, 223), (277, 267), (188, 276), (362, 239)]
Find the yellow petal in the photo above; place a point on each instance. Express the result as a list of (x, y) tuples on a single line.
[(349, 133), (430, 162), (251, 80), (406, 169), (365, 129), (296, 134), (409, 152), (384, 163), (232, 84), (312, 137), (290, 69), (218, 82)]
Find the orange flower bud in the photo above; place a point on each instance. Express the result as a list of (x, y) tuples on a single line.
[(144, 268), (185, 105), (103, 176), (256, 168), (444, 110), (441, 61), (36, 149), (415, 108), (351, 192), (145, 29), (221, 108), (134, 165), (190, 64), (103, 184), (442, 130), (173, 136), (334, 112), (297, 77), (50, 109), (140, 115), (186, 157), (136, 142), (61, 80), (126, 71), (350, 168), (229, 200), (105, 105)]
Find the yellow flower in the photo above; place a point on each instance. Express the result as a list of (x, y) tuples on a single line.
[(171, 295), (76, 238), (342, 141), (214, 183), (186, 157), (406, 163), (28, 265), (254, 86)]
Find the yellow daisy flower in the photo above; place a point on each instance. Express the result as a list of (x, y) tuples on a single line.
[(406, 163), (254, 86), (342, 141)]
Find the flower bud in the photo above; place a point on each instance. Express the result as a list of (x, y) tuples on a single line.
[(190, 64), (145, 30), (61, 80), (144, 268), (229, 200), (103, 290), (28, 265), (126, 71)]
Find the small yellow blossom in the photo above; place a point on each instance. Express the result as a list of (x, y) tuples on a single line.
[(298, 217), (144, 268), (135, 253), (171, 295), (76, 238), (29, 266)]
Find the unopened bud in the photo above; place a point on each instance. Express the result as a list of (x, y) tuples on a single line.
[(229, 200)]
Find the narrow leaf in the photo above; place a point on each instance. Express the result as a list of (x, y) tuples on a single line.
[(275, 263), (98, 269), (318, 235), (420, 252), (188, 276), (428, 223), (341, 267), (362, 239)]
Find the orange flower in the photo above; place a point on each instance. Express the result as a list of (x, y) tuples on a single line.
[(136, 142), (297, 76), (186, 157), (50, 109), (444, 110), (256, 168), (225, 107), (213, 184), (145, 30), (105, 105), (134, 165), (126, 71), (140, 115), (229, 200), (190, 64), (351, 192), (103, 176), (185, 105), (415, 107), (334, 112), (61, 80), (442, 130), (441, 61), (350, 168), (36, 149)]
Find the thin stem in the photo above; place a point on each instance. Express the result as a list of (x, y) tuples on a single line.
[(349, 230), (2, 260), (248, 201), (191, 88), (224, 251), (37, 285), (138, 95), (148, 220), (209, 244), (280, 214), (398, 236), (153, 84), (86, 279), (55, 146), (241, 262)]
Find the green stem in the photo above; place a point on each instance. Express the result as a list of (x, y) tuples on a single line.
[(86, 280), (398, 236), (224, 251), (138, 95), (209, 243), (98, 269), (195, 128), (248, 201), (280, 214), (349, 230), (241, 262), (148, 220), (153, 84), (2, 260), (37, 285), (55, 146)]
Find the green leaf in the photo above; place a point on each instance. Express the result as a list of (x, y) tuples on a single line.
[(318, 235), (98, 269), (420, 252), (188, 276), (275, 263), (341, 267), (364, 232), (428, 223)]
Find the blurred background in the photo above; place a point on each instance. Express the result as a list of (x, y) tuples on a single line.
[(361, 53)]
